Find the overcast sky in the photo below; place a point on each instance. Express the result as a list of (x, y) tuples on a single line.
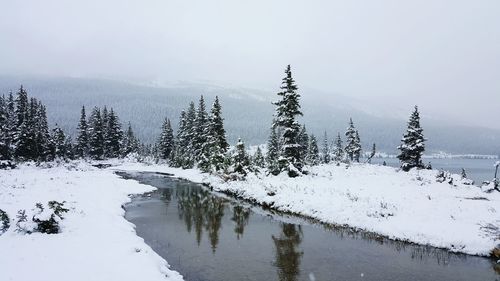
[(442, 55)]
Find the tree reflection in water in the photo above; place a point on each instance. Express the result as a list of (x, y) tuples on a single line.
[(240, 217), (288, 254), (198, 208)]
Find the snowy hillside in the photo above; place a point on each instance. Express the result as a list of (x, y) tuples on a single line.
[(147, 106)]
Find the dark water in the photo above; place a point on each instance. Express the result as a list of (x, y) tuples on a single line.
[(478, 170), (212, 237)]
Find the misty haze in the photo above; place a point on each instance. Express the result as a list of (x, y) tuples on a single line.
[(264, 140)]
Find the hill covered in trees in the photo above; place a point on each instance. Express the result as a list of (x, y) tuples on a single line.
[(246, 113)]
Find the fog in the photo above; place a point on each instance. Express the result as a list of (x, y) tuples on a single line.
[(441, 55)]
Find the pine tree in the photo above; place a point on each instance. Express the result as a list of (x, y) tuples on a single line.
[(357, 147), (130, 142), (258, 158), (96, 135), (182, 141), (43, 137), (338, 151), (351, 142), (58, 143), (412, 144), (200, 132), (188, 158), (303, 140), (82, 140), (240, 161), (287, 109), (216, 144), (313, 151), (113, 135), (10, 126), (21, 106), (273, 150), (166, 140), (325, 150), (4, 133)]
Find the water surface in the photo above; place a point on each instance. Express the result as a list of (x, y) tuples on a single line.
[(206, 236)]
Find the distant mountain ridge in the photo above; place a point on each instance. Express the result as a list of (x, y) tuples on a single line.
[(248, 112)]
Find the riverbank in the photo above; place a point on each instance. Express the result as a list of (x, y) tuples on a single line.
[(95, 242), (412, 206)]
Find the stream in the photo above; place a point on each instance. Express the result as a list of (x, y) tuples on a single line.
[(210, 236)]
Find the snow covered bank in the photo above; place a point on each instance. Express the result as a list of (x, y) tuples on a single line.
[(96, 242), (408, 206)]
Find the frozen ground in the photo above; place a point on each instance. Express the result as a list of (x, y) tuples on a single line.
[(408, 206), (96, 242)]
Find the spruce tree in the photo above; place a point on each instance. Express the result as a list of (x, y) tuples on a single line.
[(273, 152), (338, 150), (216, 144), (240, 163), (258, 158), (303, 140), (200, 132), (82, 139), (325, 150), (43, 137), (357, 147), (412, 144), (113, 135), (313, 151), (96, 135), (21, 106), (191, 132), (58, 143), (182, 141), (287, 109), (166, 140), (4, 133), (10, 126), (130, 143), (351, 142)]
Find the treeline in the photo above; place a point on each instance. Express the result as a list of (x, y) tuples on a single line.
[(25, 133), (200, 140)]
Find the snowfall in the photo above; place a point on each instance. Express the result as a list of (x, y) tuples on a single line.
[(97, 243)]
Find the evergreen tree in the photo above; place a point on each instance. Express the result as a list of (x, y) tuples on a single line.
[(82, 140), (96, 135), (338, 151), (258, 158), (183, 140), (4, 133), (21, 106), (130, 142), (273, 152), (113, 135), (412, 144), (287, 109), (357, 147), (200, 132), (191, 132), (351, 141), (216, 144), (240, 161), (70, 151), (372, 153), (313, 151), (58, 143), (325, 150), (9, 134), (303, 140), (43, 138), (166, 140)]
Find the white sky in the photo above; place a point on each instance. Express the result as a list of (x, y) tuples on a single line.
[(442, 55)]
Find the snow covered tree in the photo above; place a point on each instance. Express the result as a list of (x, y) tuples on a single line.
[(43, 138), (273, 152), (338, 149), (130, 142), (82, 139), (4, 133), (412, 144), (113, 135), (166, 140), (200, 131), (357, 147), (96, 135), (240, 163), (325, 150), (188, 157), (287, 109), (8, 128), (303, 140), (258, 158), (183, 142), (215, 147), (353, 143), (59, 145), (313, 152)]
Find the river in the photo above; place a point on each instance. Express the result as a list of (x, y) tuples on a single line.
[(208, 236)]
